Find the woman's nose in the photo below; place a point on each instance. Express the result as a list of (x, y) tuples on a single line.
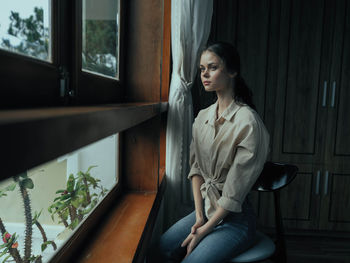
[(205, 73)]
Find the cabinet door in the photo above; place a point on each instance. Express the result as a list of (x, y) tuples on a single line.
[(335, 202), (304, 54), (299, 201), (338, 136)]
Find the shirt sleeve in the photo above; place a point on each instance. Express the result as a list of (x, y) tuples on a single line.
[(248, 162), (193, 162)]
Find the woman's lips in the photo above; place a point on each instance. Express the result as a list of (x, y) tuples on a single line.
[(206, 83)]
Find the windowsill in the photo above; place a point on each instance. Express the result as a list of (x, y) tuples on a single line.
[(119, 237), (125, 234), (45, 134)]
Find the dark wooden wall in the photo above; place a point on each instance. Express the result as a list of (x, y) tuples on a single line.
[(295, 58)]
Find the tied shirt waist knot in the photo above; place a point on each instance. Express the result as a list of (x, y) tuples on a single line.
[(212, 189)]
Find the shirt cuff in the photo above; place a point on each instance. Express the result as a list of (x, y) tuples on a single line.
[(230, 204), (194, 171)]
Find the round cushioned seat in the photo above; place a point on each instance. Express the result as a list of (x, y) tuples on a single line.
[(262, 249)]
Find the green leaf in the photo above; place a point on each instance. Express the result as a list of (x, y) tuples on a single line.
[(60, 191), (5, 259), (11, 187), (70, 183), (76, 202), (43, 246), (64, 197), (23, 175), (27, 183), (3, 246), (90, 167), (74, 223)]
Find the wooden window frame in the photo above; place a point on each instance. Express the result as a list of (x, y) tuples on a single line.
[(29, 82), (140, 119)]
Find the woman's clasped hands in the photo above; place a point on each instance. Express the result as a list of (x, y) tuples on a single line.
[(198, 231)]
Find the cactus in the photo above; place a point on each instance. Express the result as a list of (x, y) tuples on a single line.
[(25, 183), (10, 245)]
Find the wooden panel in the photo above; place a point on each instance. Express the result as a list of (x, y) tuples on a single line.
[(252, 44), (299, 203), (339, 145), (224, 13), (272, 69), (340, 198), (296, 198), (31, 137), (27, 82), (303, 65), (144, 50), (335, 204), (140, 156), (303, 73), (166, 56)]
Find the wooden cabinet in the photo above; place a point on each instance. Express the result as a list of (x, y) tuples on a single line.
[(295, 57), (312, 116)]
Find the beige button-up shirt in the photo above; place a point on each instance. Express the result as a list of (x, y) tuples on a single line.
[(229, 153)]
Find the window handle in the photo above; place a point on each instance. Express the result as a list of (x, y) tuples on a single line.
[(324, 100), (326, 183), (333, 93), (317, 189)]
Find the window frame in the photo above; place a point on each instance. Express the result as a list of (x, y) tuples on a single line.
[(138, 136), (35, 83)]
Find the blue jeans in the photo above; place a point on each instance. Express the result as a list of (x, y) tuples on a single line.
[(229, 238)]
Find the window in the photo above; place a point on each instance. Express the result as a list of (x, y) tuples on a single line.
[(100, 34), (59, 52), (31, 137), (58, 196), (25, 28)]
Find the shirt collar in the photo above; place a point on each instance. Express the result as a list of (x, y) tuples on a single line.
[(228, 113)]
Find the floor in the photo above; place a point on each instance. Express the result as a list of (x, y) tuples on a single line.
[(318, 249)]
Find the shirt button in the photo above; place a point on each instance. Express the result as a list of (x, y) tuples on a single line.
[(221, 121)]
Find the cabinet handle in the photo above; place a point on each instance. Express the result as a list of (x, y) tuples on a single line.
[(324, 100), (317, 190), (326, 183), (333, 93)]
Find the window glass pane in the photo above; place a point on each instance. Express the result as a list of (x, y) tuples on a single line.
[(25, 27), (100, 33), (57, 196)]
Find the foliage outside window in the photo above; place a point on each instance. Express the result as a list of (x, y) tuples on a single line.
[(26, 34), (41, 208), (100, 37)]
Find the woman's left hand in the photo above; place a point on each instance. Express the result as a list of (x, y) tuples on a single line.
[(192, 240)]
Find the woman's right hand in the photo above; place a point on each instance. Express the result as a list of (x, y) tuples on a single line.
[(199, 222)]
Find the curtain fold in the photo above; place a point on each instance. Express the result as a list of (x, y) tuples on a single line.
[(190, 28)]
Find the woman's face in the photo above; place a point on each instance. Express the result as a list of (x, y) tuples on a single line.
[(214, 75)]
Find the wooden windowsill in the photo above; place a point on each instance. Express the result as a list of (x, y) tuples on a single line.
[(118, 239), (32, 137), (125, 234)]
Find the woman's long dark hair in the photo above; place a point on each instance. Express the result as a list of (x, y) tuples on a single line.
[(230, 57)]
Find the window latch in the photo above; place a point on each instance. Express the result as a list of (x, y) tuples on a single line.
[(64, 83)]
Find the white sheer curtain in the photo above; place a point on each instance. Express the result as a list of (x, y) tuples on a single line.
[(190, 28)]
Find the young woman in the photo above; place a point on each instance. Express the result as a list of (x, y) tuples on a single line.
[(228, 151)]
